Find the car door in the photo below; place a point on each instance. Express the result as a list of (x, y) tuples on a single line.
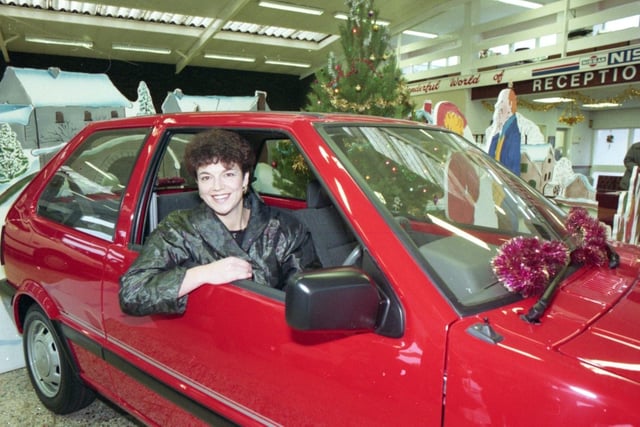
[(232, 356), (74, 225)]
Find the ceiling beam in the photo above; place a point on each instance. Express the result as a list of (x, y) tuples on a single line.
[(226, 14)]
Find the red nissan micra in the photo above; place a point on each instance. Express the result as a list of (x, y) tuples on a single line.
[(421, 313)]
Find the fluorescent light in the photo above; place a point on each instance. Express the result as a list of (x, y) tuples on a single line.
[(287, 63), (553, 100), (145, 49), (601, 105), (420, 34), (229, 57), (291, 7), (60, 42), (522, 3), (344, 17)]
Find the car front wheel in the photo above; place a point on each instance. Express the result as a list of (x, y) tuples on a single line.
[(50, 370)]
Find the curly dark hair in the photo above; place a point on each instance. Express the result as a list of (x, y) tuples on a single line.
[(218, 145)]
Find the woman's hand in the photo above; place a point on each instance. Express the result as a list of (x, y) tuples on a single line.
[(216, 273)]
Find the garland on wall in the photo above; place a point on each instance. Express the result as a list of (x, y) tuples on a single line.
[(571, 113)]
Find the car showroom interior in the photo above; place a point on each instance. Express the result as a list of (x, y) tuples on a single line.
[(507, 129)]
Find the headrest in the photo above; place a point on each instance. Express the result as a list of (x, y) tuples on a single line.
[(316, 196)]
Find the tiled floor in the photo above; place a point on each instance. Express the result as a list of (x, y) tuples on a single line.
[(19, 406)]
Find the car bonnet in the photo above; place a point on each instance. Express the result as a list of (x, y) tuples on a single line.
[(610, 339)]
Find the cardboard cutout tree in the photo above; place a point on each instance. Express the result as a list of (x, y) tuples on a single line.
[(13, 161), (145, 101), (368, 80)]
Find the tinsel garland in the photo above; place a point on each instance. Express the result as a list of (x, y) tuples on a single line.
[(571, 114), (527, 264)]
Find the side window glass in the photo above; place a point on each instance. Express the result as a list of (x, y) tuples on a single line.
[(172, 171), (85, 193), (281, 170)]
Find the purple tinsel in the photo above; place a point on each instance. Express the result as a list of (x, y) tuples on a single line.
[(590, 237), (527, 264)]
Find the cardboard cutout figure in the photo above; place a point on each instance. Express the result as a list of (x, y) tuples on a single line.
[(506, 138)]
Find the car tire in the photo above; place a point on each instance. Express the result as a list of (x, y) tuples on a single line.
[(51, 372)]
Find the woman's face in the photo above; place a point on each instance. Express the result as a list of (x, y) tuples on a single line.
[(221, 188)]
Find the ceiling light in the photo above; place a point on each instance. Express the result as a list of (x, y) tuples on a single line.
[(145, 49), (420, 34), (601, 105), (60, 42), (522, 3), (291, 7), (344, 17), (287, 63), (553, 100), (229, 57)]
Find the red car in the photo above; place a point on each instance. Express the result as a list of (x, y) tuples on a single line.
[(407, 322)]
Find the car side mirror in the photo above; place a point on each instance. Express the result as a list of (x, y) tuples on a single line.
[(342, 298)]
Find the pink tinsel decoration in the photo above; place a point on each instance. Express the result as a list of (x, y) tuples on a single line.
[(527, 264), (590, 237)]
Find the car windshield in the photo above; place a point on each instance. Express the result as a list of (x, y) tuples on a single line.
[(450, 202)]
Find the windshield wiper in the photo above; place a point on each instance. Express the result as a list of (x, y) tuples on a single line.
[(537, 310)]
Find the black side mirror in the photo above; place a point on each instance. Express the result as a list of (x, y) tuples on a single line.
[(342, 298)]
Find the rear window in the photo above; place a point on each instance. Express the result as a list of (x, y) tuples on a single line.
[(85, 193)]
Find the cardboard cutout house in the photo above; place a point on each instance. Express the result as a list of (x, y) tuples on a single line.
[(536, 164), (177, 101), (62, 102)]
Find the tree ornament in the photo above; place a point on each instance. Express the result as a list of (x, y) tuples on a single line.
[(336, 90), (358, 88), (354, 30), (371, 13), (372, 57), (375, 27)]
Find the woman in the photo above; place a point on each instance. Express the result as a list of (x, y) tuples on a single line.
[(231, 236)]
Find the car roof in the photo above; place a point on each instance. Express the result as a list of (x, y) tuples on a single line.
[(257, 118)]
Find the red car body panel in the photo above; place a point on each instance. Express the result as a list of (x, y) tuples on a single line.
[(233, 353)]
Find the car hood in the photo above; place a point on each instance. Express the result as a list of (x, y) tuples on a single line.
[(612, 341), (605, 304), (594, 317)]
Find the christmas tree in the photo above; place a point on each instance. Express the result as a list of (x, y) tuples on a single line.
[(368, 80), (13, 160)]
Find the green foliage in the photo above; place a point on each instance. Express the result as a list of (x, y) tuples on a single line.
[(293, 172), (368, 80)]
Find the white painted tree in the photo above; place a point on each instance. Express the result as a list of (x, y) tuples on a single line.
[(13, 161), (145, 102)]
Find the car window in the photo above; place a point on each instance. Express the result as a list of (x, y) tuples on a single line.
[(281, 170), (171, 171), (86, 191)]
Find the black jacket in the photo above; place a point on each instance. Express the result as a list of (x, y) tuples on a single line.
[(275, 243)]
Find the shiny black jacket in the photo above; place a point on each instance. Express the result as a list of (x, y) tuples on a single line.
[(275, 243)]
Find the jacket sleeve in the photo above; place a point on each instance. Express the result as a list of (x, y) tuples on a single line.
[(152, 283)]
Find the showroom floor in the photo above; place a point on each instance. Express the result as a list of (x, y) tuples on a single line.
[(19, 406)]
